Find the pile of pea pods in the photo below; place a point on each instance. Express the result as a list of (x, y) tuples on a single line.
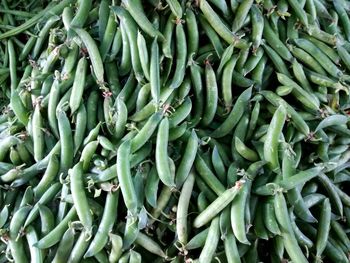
[(175, 131)]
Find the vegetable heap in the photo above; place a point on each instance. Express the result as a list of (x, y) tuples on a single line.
[(181, 131)]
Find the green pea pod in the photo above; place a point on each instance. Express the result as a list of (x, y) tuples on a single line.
[(217, 206), (244, 151), (138, 14), (47, 197), (175, 8), (146, 132), (257, 27), (116, 249), (108, 219), (289, 240), (227, 81), (124, 177), (303, 96), (67, 145), (211, 242), (273, 40), (150, 245), (56, 234), (182, 209), (315, 52), (234, 116), (47, 219), (193, 32), (155, 72), (208, 176), (162, 165), (36, 254), (48, 177), (269, 217), (237, 212), (38, 134), (94, 53), (143, 54), (273, 133), (198, 240), (181, 56), (65, 246), (80, 245), (324, 228), (79, 196), (78, 85), (332, 120), (151, 187)]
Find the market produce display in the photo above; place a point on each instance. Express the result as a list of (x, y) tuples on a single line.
[(175, 131)]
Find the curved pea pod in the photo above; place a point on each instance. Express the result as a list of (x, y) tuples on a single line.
[(162, 202), (181, 113), (222, 30), (302, 239), (289, 240), (65, 246), (218, 165), (182, 209), (140, 18), (18, 107), (211, 242), (149, 244), (225, 58), (234, 116), (108, 219), (273, 134), (294, 195), (47, 197), (238, 204), (315, 52), (274, 41), (217, 205), (48, 177), (244, 151), (207, 175), (131, 231), (300, 94), (56, 234), (291, 182), (146, 132), (17, 221), (87, 153), (332, 191), (332, 120), (94, 53), (269, 217), (79, 248), (298, 121)]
